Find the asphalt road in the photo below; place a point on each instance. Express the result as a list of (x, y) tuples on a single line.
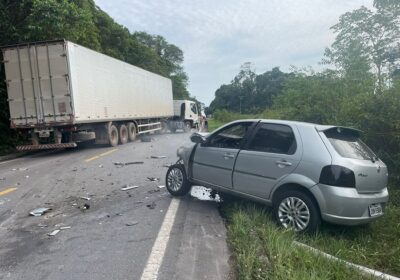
[(113, 235)]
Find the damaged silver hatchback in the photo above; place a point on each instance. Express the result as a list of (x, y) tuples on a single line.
[(306, 172)]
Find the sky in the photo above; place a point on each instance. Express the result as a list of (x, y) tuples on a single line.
[(218, 36)]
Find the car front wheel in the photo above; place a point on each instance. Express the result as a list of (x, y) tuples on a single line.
[(296, 210), (176, 181)]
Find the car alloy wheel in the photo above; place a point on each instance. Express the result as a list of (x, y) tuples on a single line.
[(175, 179), (294, 213)]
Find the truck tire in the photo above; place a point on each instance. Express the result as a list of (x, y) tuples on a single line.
[(176, 181), (123, 134), (188, 126), (113, 135), (131, 131)]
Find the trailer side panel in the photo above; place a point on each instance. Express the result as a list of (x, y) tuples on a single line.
[(107, 89)]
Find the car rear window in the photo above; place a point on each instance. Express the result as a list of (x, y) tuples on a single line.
[(348, 144)]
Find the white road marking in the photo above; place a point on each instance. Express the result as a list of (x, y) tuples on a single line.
[(8, 161), (150, 271)]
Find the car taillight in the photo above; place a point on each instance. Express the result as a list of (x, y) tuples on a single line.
[(335, 175)]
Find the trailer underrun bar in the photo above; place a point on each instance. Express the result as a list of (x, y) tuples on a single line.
[(46, 146)]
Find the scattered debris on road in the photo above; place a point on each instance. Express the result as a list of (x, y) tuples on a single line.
[(85, 198), (203, 193), (161, 187), (19, 169), (39, 211), (101, 166), (54, 232), (152, 205), (42, 225), (153, 179), (158, 157), (154, 191), (129, 224), (134, 162), (66, 227), (121, 164), (75, 169), (129, 187), (86, 206)]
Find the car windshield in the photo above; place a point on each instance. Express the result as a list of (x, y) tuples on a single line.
[(349, 145)]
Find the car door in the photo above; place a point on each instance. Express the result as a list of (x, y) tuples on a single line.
[(213, 161), (271, 154)]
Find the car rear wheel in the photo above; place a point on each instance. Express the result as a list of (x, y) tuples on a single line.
[(296, 210), (176, 181)]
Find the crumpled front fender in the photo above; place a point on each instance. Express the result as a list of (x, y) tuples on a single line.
[(184, 153)]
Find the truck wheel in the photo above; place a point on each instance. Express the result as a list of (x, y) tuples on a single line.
[(176, 181), (131, 131), (113, 135), (188, 127), (123, 134)]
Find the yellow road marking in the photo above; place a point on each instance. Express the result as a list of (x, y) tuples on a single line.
[(109, 152), (92, 158), (6, 191), (101, 155)]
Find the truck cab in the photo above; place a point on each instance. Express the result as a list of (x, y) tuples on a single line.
[(186, 111)]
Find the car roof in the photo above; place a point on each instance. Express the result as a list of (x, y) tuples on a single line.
[(318, 127)]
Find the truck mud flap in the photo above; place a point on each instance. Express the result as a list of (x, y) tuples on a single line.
[(45, 146)]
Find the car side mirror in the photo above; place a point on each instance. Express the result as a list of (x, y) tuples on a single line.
[(197, 138)]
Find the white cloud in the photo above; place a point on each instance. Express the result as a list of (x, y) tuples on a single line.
[(218, 36)]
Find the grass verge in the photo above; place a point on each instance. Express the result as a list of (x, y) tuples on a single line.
[(264, 251), (375, 245)]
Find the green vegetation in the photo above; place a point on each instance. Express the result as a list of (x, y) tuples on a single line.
[(263, 251), (82, 22)]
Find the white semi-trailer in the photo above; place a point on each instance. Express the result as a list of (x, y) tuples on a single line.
[(61, 93)]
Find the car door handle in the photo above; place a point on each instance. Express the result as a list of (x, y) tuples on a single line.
[(226, 156), (283, 163)]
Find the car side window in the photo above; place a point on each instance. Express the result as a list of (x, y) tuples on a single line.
[(274, 138), (231, 137)]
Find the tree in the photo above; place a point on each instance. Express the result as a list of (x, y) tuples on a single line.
[(249, 92), (371, 35)]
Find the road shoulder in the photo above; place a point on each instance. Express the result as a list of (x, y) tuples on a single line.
[(203, 251)]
